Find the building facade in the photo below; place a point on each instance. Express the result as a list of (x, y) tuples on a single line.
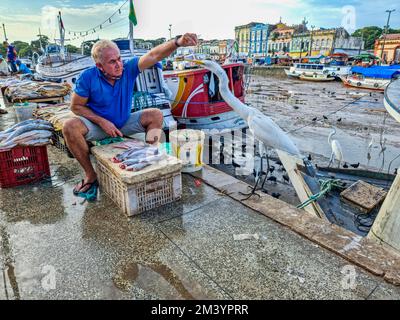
[(390, 45), (259, 40), (280, 39), (252, 38), (300, 45)]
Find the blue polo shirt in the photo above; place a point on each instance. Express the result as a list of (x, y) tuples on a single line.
[(113, 103)]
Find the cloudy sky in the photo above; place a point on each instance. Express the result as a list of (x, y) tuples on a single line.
[(208, 18)]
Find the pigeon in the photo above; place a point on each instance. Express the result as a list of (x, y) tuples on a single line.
[(271, 169), (346, 166), (286, 177), (309, 157), (339, 120), (315, 119), (355, 166), (296, 107), (395, 171), (325, 117), (272, 179)]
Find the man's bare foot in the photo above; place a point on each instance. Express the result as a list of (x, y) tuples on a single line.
[(85, 185)]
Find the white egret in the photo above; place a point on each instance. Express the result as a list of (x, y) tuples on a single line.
[(261, 126), (336, 148)]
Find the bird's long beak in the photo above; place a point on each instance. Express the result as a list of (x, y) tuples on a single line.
[(200, 62)]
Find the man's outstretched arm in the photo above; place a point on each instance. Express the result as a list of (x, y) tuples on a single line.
[(164, 50)]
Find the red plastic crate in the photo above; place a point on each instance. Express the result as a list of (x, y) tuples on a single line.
[(23, 165)]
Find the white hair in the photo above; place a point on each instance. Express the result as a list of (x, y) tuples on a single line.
[(99, 46)]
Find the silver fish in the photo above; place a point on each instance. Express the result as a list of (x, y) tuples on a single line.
[(26, 128)]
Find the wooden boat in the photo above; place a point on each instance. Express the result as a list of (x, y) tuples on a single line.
[(316, 77), (291, 74), (196, 102), (333, 206), (392, 99), (372, 78)]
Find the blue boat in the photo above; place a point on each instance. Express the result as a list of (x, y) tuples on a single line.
[(374, 78)]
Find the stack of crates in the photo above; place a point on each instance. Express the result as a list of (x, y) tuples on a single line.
[(137, 192), (23, 165)]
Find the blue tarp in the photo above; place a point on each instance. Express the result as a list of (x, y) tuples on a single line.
[(377, 72)]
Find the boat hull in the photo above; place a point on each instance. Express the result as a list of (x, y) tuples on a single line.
[(392, 100), (317, 78), (196, 102), (370, 84)]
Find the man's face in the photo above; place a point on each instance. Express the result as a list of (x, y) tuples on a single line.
[(111, 63)]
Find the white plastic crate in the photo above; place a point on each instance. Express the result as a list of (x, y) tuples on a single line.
[(137, 192)]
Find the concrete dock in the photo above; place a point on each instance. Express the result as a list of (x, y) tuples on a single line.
[(206, 246)]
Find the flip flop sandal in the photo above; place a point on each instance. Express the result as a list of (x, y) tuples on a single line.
[(91, 193)]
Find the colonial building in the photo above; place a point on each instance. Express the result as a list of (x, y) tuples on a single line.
[(280, 39), (390, 44), (324, 42), (300, 46), (252, 38)]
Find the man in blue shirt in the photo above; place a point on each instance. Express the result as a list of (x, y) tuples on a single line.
[(22, 68), (102, 100), (11, 55)]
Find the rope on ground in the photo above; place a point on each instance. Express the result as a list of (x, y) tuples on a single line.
[(326, 187)]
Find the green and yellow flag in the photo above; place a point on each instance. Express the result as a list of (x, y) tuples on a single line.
[(132, 14)]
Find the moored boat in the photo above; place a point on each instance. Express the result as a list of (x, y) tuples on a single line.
[(373, 78), (308, 69), (197, 103), (316, 77)]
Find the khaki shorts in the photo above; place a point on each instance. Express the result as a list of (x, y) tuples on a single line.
[(132, 126)]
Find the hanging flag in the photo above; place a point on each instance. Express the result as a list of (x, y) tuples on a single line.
[(132, 14), (61, 22)]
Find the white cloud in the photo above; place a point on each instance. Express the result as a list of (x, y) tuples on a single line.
[(208, 18)]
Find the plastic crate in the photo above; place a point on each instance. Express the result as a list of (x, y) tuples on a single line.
[(23, 165), (59, 143), (134, 199)]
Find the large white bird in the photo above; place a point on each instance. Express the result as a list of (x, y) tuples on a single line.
[(337, 152), (261, 126)]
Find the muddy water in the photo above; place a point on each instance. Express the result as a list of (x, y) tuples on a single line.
[(293, 104)]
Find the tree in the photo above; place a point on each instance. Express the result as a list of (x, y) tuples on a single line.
[(370, 34), (87, 46), (72, 49), (35, 44)]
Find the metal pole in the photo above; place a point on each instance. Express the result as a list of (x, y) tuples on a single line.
[(312, 30), (385, 31), (5, 34), (131, 41), (170, 31)]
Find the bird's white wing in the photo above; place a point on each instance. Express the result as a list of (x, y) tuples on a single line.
[(266, 130), (337, 150)]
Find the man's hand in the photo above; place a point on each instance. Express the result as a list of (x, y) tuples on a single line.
[(109, 128), (188, 40)]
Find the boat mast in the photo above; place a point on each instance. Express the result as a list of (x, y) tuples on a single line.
[(131, 42), (62, 36)]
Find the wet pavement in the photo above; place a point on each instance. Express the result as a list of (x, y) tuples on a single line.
[(54, 246)]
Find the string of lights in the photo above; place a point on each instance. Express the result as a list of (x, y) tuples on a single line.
[(104, 25)]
